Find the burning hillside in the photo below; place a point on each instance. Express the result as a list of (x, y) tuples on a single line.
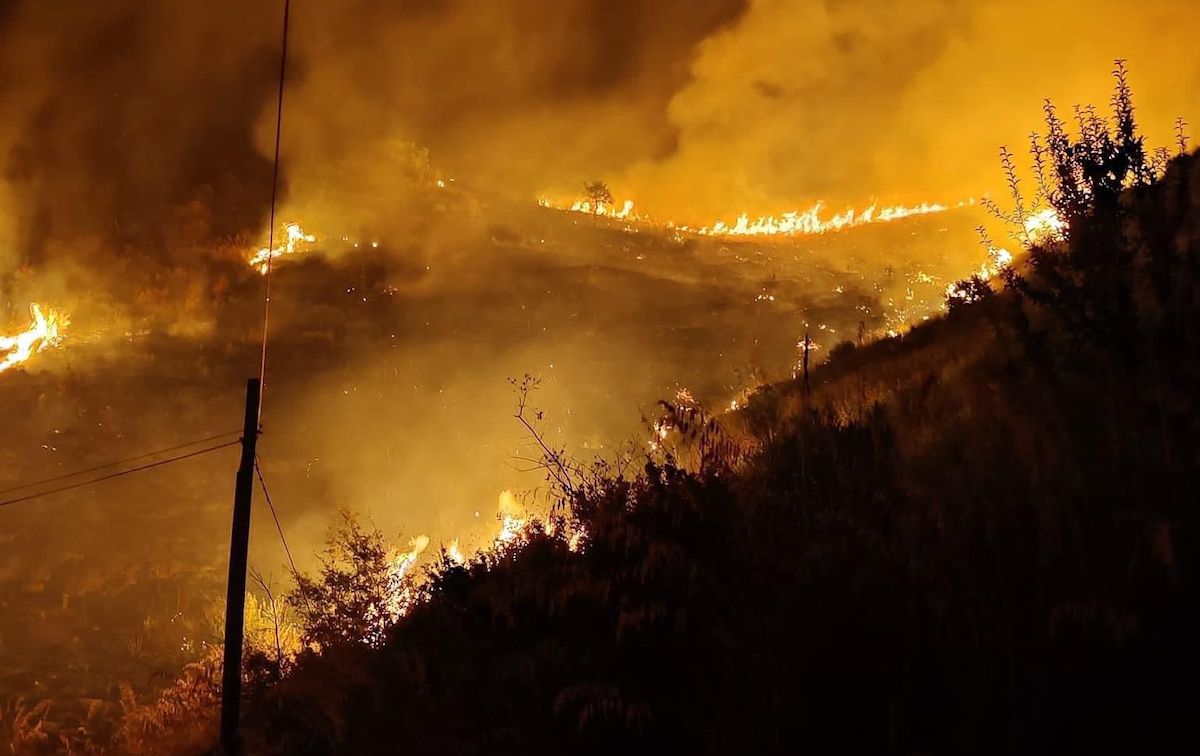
[(388, 394), (147, 148)]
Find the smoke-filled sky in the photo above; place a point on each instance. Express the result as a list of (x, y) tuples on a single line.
[(803, 99), (698, 109), (119, 113)]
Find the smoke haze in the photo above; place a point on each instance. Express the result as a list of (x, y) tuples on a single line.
[(118, 114)]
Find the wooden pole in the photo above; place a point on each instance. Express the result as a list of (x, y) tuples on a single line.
[(235, 596)]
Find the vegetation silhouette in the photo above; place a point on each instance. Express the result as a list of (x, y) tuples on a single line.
[(598, 195)]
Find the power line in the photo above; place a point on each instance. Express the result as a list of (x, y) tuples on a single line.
[(262, 371), (283, 539), (114, 463), (119, 473)]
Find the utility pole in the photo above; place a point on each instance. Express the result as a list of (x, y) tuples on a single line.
[(235, 596), (239, 540)]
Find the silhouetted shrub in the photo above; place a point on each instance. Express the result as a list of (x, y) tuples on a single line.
[(967, 292), (841, 349)]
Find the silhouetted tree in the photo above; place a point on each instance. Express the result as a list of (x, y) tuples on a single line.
[(358, 593), (598, 193), (967, 292)]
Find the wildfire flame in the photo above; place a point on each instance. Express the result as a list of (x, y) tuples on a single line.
[(401, 565), (811, 221), (455, 554), (584, 206), (1040, 226), (600, 209), (512, 523), (295, 241), (44, 332), (512, 531), (814, 220), (515, 530)]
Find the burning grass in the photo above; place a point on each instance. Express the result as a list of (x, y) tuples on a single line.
[(815, 220)]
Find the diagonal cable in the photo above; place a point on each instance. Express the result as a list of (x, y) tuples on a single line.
[(114, 463), (279, 527), (119, 474)]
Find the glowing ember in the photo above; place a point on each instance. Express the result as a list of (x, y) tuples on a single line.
[(575, 541), (43, 333), (660, 431), (805, 347), (296, 241)]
